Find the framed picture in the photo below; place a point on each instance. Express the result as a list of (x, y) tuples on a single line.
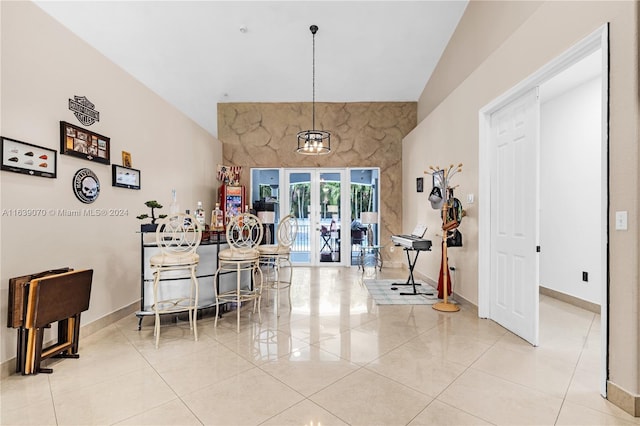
[(126, 159), (125, 177), (419, 184), (438, 180), (29, 159), (83, 143)]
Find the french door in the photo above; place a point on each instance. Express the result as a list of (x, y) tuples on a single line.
[(319, 199)]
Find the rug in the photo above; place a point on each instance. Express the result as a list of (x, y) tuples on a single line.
[(381, 291)]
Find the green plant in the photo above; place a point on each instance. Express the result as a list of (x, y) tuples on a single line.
[(152, 204)]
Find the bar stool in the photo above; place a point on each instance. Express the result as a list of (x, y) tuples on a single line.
[(244, 233), (277, 255), (177, 237)]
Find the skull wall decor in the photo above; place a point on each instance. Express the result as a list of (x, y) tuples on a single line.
[(89, 187), (86, 186)]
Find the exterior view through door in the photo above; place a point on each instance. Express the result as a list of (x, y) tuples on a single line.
[(328, 204)]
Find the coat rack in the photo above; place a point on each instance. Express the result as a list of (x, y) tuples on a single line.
[(447, 225)]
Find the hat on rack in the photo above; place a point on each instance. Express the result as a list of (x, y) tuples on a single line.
[(436, 198)]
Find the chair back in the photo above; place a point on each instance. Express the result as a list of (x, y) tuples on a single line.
[(244, 232), (287, 231), (357, 236), (178, 234)]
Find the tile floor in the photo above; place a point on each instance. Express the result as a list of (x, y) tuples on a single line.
[(335, 358)]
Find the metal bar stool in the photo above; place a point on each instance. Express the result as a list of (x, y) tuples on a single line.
[(244, 233), (275, 256), (177, 237)]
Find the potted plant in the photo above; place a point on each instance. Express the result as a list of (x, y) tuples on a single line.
[(151, 227)]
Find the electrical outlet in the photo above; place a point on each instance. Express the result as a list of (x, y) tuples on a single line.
[(621, 221), (585, 276)]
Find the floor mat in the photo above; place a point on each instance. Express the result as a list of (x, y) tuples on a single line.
[(381, 291)]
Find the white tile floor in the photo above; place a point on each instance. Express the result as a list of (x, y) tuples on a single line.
[(336, 358)]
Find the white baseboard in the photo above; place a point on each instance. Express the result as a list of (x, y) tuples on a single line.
[(8, 367)]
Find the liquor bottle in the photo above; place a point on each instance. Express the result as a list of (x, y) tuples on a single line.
[(174, 207), (217, 218), (200, 214)]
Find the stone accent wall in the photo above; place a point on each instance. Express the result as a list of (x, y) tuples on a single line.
[(363, 134)]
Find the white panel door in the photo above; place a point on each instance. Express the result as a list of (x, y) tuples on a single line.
[(514, 221)]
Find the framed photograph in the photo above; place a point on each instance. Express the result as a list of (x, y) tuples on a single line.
[(438, 180), (83, 143), (29, 159), (126, 159), (125, 177), (419, 184)]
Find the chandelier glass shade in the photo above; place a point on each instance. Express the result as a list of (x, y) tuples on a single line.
[(314, 142)]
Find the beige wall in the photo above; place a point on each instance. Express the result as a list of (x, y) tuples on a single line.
[(364, 134), (467, 50), (43, 65), (449, 134)]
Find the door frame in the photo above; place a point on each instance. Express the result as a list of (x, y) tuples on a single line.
[(314, 243), (597, 40)]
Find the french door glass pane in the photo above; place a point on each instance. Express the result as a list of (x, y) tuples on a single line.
[(330, 186)]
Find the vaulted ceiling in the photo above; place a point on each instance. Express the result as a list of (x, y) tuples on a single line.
[(196, 54)]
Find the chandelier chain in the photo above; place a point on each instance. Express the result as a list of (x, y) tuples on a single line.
[(313, 84), (313, 142)]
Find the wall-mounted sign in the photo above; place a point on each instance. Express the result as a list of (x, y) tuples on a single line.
[(86, 186), (84, 110)]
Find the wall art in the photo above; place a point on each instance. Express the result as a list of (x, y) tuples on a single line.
[(82, 143), (125, 177), (86, 186), (438, 180), (84, 110), (126, 159), (29, 159)]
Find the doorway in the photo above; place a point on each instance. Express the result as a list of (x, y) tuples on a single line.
[(598, 41), (337, 210), (316, 197)]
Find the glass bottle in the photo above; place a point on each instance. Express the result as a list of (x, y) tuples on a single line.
[(174, 207), (217, 218), (199, 213)]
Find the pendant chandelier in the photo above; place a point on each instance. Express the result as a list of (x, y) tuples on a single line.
[(314, 142)]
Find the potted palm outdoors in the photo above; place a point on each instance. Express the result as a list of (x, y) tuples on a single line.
[(151, 227)]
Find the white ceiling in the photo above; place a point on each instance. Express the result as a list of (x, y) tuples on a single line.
[(194, 54)]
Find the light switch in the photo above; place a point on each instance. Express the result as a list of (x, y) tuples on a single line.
[(470, 198), (621, 221)]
